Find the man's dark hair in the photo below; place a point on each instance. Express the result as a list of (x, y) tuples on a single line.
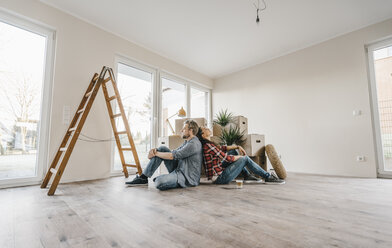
[(193, 126)]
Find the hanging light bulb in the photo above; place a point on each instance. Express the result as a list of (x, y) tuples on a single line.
[(259, 9)]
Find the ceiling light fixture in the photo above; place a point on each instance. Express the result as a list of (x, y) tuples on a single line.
[(258, 9)]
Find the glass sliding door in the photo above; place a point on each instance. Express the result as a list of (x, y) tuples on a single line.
[(173, 97), (381, 69), (199, 103), (136, 90), (24, 58)]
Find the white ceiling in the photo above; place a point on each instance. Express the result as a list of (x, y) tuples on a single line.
[(218, 37)]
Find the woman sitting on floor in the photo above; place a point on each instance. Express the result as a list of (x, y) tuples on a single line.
[(227, 167)]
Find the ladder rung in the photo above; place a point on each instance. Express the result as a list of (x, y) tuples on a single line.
[(81, 110), (63, 149), (111, 98), (72, 129), (54, 171), (89, 93), (122, 132), (106, 80), (116, 115), (126, 149), (130, 165)]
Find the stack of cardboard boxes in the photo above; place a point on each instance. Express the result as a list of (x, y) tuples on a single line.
[(254, 143)]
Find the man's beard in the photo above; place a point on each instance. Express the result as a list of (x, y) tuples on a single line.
[(185, 136)]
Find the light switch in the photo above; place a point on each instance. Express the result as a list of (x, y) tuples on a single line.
[(357, 112), (66, 114)]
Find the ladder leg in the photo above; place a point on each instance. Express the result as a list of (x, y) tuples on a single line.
[(113, 123), (126, 124), (54, 163), (68, 134), (84, 110)]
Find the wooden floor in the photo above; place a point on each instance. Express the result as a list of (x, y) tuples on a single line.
[(308, 211)]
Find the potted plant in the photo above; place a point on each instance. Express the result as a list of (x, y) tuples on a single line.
[(222, 119), (232, 135)]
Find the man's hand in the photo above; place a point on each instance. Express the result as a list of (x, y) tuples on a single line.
[(152, 153), (242, 151)]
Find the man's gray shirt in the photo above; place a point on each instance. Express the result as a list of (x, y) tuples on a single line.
[(190, 158)]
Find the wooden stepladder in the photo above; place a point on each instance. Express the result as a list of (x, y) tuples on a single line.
[(76, 125)]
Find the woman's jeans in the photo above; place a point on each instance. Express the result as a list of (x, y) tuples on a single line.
[(244, 172), (235, 168)]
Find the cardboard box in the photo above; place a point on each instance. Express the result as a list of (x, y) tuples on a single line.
[(242, 123), (254, 145), (261, 161), (216, 130), (179, 123), (238, 121), (172, 141), (216, 140)]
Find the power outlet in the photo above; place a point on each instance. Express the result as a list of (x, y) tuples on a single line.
[(361, 158)]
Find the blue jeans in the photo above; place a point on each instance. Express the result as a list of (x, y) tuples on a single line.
[(235, 168), (244, 171), (167, 181)]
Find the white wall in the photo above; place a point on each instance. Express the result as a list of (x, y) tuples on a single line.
[(81, 50), (303, 103)]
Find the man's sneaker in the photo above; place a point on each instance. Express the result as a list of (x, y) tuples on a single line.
[(274, 179), (252, 179), (138, 181)]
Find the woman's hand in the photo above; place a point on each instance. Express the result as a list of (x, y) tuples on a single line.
[(242, 151), (236, 157)]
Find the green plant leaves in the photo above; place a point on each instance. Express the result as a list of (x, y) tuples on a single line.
[(232, 136), (223, 118)]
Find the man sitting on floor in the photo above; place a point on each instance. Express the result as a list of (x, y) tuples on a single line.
[(183, 163)]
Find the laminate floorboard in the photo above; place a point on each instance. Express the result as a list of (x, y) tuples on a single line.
[(308, 211)]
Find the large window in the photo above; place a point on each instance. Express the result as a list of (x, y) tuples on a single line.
[(380, 61), (173, 96), (135, 87), (24, 99), (152, 104), (176, 94), (199, 103)]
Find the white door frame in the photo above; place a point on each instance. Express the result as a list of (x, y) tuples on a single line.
[(154, 127), (46, 100), (374, 107)]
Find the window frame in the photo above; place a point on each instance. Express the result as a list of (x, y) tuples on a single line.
[(154, 127), (176, 80), (188, 85), (208, 103), (377, 140), (43, 157), (157, 98)]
